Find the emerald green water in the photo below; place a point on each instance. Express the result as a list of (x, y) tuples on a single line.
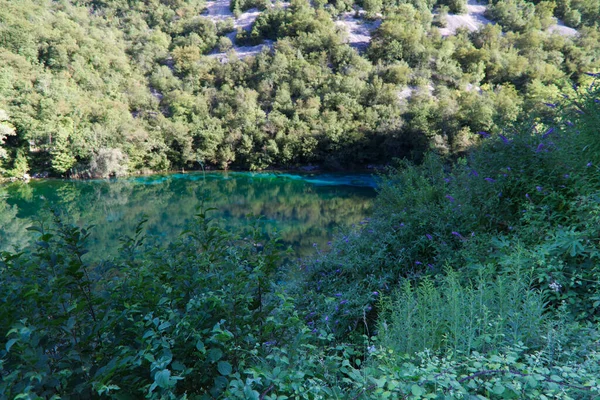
[(303, 209)]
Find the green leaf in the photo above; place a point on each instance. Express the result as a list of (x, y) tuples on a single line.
[(164, 326), (162, 378), (417, 390), (10, 343), (214, 355), (200, 346), (498, 389), (224, 368), (251, 394)]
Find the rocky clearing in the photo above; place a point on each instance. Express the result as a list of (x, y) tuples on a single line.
[(358, 28)]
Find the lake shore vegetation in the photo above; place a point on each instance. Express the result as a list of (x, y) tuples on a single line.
[(476, 277)]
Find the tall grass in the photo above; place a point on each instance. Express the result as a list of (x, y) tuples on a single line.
[(483, 314)]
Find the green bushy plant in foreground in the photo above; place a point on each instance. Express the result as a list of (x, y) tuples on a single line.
[(180, 319)]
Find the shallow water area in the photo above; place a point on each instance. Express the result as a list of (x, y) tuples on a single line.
[(303, 209)]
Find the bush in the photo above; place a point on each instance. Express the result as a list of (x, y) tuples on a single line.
[(154, 322), (108, 162)]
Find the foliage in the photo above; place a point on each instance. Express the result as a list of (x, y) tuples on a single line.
[(485, 253), (181, 319), (484, 315), (308, 98), (523, 202)]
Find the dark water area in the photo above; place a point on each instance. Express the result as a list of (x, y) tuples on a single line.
[(304, 209)]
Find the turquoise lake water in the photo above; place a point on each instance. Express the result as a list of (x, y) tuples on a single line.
[(304, 209)]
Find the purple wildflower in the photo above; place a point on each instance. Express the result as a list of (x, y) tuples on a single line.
[(538, 188), (457, 234), (375, 293), (343, 302), (491, 180), (550, 105), (592, 74), (547, 133), (450, 198), (539, 148), (418, 263), (527, 195), (338, 295), (504, 139), (566, 176), (447, 180), (429, 236), (326, 318), (474, 173), (569, 123), (484, 134), (589, 164)]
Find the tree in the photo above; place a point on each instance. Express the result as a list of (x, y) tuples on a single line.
[(6, 129)]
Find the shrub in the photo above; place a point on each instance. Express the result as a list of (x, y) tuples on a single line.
[(154, 322), (108, 162)]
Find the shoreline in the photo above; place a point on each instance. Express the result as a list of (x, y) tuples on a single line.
[(306, 169)]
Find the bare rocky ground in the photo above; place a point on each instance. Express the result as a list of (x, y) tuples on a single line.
[(358, 29), (472, 20), (562, 29), (218, 10)]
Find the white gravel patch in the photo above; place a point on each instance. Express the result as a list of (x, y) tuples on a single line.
[(358, 30), (218, 10), (472, 20), (562, 29), (408, 91)]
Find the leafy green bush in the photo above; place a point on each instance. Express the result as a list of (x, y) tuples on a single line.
[(180, 319)]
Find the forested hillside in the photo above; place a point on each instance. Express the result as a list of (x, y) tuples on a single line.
[(99, 88), (477, 276)]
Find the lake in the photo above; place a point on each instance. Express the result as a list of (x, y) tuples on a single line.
[(304, 210)]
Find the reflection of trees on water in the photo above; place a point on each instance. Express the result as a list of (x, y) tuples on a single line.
[(13, 230), (303, 213)]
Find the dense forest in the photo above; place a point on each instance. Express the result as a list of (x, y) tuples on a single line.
[(476, 277), (99, 88)]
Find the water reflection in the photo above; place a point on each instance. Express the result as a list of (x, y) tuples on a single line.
[(304, 209)]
